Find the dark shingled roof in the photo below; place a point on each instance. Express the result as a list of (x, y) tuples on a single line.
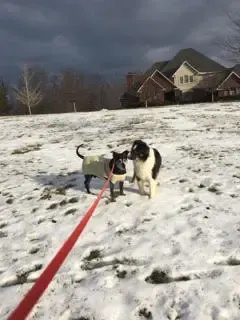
[(195, 58), (236, 69), (212, 81), (156, 66)]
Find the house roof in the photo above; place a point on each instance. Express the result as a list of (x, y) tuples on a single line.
[(236, 68), (212, 81), (198, 60), (156, 66)]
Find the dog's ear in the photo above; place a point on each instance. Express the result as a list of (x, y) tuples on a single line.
[(114, 153), (125, 154)]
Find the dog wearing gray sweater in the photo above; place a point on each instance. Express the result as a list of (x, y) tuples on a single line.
[(97, 166)]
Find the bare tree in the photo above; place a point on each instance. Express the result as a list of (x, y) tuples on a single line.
[(28, 94), (231, 44), (4, 103)]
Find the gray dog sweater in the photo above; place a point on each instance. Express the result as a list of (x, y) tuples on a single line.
[(99, 166)]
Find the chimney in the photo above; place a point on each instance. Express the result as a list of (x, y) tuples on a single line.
[(130, 79)]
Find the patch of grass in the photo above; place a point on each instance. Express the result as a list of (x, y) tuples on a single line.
[(28, 148), (73, 200), (57, 125), (145, 313), (122, 231), (63, 202), (128, 204), (52, 206), (214, 189), (70, 211), (121, 274), (41, 220), (94, 254), (201, 186), (99, 263), (48, 192), (34, 250), (3, 234), (158, 277), (9, 201), (182, 180), (3, 225)]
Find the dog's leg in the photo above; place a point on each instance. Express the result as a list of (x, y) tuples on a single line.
[(152, 187), (133, 178), (121, 188), (113, 198), (141, 187), (87, 181)]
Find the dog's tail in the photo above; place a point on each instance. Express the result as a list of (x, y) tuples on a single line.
[(77, 152)]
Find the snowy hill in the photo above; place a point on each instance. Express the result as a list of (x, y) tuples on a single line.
[(174, 257)]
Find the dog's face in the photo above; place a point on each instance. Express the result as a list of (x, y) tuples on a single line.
[(119, 160), (140, 151)]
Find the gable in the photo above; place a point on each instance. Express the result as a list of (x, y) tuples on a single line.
[(231, 81), (160, 79), (151, 83), (163, 81), (185, 69)]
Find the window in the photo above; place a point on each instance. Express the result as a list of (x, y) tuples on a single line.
[(181, 80), (186, 79), (238, 91), (225, 93), (190, 78), (232, 92)]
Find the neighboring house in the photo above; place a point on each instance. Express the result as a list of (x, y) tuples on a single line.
[(189, 77)]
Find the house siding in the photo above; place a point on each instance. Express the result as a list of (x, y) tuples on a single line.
[(163, 82), (231, 82), (151, 92), (184, 70)]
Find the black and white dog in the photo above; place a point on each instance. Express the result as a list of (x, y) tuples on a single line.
[(147, 162), (99, 166)]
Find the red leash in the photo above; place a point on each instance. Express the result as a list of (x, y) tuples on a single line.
[(34, 294)]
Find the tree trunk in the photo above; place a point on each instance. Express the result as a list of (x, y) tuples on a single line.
[(74, 107), (212, 96), (29, 109)]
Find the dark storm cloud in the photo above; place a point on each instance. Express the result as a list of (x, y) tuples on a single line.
[(106, 36)]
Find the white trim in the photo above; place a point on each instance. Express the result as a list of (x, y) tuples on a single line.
[(155, 81), (163, 76), (142, 85), (186, 62), (227, 78), (150, 78)]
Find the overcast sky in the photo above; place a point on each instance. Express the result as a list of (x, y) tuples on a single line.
[(107, 36)]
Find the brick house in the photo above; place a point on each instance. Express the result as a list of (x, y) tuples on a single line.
[(189, 77)]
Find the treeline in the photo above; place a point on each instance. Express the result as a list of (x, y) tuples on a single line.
[(39, 92)]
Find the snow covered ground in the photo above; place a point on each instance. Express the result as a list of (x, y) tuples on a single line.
[(175, 257)]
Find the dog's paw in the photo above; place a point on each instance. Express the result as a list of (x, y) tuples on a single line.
[(143, 193), (151, 195)]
